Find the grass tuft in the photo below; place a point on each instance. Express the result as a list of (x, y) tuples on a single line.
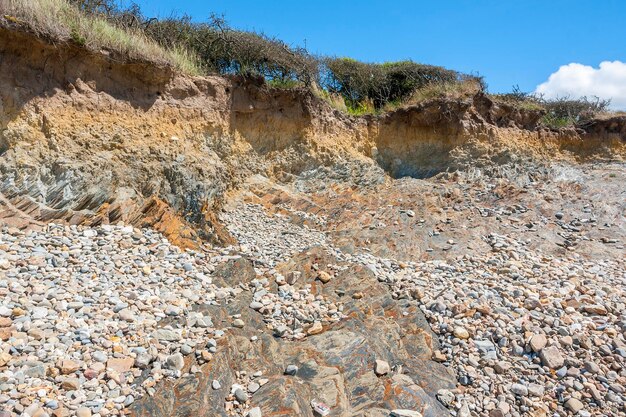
[(456, 90), (59, 20)]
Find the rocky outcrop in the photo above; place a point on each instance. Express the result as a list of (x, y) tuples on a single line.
[(335, 366)]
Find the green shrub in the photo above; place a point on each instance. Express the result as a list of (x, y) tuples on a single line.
[(219, 48), (520, 99), (381, 83), (574, 111), (559, 112), (361, 108), (227, 51)]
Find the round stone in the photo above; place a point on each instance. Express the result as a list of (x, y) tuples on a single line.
[(241, 395), (461, 333)]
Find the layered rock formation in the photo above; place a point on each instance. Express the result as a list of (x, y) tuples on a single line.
[(88, 138)]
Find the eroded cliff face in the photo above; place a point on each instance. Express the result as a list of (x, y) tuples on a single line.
[(88, 139), (350, 242), (82, 135)]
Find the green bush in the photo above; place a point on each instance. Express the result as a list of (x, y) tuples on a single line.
[(559, 112), (569, 111), (227, 51), (219, 48), (381, 83)]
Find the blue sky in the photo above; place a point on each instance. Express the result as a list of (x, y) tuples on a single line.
[(508, 42)]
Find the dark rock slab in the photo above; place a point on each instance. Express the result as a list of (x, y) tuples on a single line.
[(335, 366)]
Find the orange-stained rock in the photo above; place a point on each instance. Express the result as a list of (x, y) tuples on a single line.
[(68, 366), (120, 365)]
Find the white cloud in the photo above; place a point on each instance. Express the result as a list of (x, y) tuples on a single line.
[(576, 80)]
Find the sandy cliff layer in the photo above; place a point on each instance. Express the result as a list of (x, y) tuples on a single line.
[(86, 138)]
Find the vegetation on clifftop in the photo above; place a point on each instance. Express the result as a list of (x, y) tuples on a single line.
[(62, 21), (212, 47), (384, 83), (559, 112)]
